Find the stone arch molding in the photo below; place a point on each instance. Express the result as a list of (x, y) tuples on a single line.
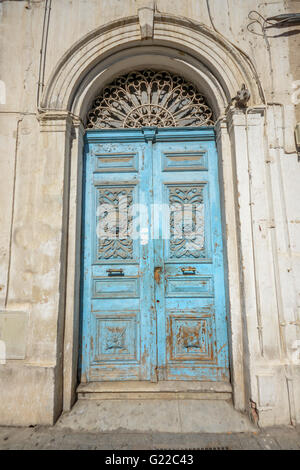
[(203, 56)]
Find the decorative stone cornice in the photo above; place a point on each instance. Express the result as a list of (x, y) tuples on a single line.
[(57, 121), (242, 117)]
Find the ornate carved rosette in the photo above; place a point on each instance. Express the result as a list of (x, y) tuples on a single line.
[(193, 337), (115, 338), (149, 98)]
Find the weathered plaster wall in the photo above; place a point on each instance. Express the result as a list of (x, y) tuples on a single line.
[(33, 180)]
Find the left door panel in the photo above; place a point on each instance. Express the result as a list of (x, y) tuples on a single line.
[(117, 321)]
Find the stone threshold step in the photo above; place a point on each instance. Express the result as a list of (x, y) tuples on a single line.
[(162, 390), (140, 416)]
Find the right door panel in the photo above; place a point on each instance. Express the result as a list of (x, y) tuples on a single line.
[(190, 293)]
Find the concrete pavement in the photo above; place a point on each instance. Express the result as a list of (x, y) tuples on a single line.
[(54, 438)]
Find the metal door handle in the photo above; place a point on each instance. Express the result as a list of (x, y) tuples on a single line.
[(188, 270), (115, 272), (157, 272)]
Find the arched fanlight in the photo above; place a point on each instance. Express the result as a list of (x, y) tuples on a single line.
[(149, 98)]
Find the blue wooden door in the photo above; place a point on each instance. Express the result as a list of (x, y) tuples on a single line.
[(153, 271)]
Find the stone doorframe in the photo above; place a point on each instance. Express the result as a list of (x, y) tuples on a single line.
[(218, 70)]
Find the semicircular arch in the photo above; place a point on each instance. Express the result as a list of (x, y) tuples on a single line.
[(201, 55)]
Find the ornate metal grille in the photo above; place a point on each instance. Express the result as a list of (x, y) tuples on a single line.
[(149, 98)]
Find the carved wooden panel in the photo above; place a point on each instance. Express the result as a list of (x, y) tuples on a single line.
[(114, 223), (187, 225), (115, 338), (191, 337), (185, 161), (116, 162), (189, 286), (109, 287)]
